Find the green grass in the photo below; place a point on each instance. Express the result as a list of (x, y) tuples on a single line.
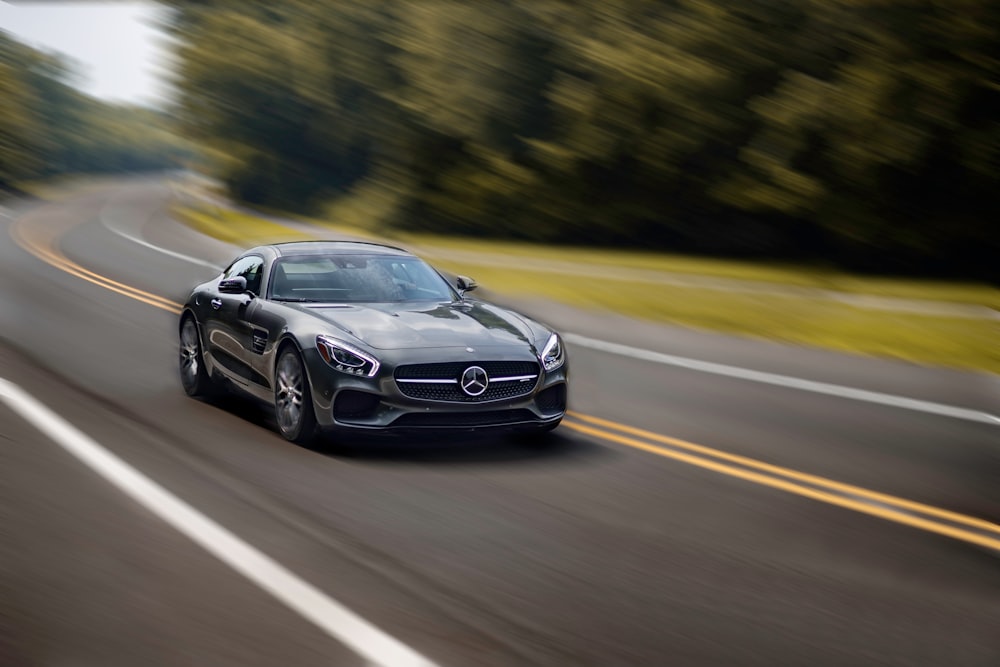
[(780, 274), (940, 341), (943, 341), (237, 228)]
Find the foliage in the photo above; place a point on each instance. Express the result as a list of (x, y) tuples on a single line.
[(48, 127), (863, 132)]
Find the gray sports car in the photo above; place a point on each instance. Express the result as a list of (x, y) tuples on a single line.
[(359, 337)]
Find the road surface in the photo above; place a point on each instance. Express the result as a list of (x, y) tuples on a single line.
[(709, 501)]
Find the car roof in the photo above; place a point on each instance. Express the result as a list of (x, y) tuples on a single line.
[(292, 248)]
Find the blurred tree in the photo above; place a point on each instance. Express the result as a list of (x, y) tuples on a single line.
[(892, 152), (21, 133), (472, 88), (293, 93), (19, 130), (48, 127), (858, 131)]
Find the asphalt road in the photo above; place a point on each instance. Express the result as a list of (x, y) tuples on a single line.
[(682, 517)]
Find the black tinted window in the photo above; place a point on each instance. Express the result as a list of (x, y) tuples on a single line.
[(358, 279), (250, 268)]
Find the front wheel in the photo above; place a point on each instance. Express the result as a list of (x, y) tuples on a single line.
[(194, 377), (293, 408)]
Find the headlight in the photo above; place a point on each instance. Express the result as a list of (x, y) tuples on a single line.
[(345, 358), (553, 355)]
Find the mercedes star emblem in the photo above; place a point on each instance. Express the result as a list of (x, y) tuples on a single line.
[(474, 381)]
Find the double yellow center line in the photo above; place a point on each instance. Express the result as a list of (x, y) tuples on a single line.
[(41, 242), (881, 505)]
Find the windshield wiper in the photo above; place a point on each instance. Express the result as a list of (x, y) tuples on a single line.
[(293, 299)]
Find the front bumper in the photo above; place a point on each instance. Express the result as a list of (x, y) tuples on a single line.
[(349, 404)]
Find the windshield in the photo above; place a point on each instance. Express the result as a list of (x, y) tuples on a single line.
[(357, 279)]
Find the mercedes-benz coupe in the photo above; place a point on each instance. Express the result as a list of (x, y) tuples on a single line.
[(350, 337)]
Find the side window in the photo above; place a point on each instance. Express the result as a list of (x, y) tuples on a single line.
[(250, 268)]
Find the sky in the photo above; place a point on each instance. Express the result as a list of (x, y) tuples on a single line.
[(120, 55)]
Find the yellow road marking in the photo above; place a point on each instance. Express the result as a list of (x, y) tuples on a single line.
[(45, 251), (875, 496), (790, 487)]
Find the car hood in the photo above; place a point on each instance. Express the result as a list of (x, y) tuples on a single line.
[(420, 325)]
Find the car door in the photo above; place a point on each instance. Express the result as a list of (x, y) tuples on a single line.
[(229, 336)]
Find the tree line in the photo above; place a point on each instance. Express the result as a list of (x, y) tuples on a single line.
[(864, 133), (48, 127)]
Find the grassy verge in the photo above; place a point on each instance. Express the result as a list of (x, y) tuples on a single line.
[(944, 341), (940, 341), (234, 227), (779, 274)]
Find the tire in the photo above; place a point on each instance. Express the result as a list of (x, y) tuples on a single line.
[(191, 362), (293, 408)]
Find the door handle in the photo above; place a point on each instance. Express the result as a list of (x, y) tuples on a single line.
[(216, 303)]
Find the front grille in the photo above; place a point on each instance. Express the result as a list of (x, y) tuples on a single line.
[(453, 393), (452, 369), (452, 372), (490, 418)]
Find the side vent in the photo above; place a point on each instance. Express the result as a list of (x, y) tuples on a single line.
[(259, 341)]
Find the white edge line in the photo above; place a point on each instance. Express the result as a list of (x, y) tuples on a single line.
[(147, 244), (151, 246), (785, 381), (310, 603)]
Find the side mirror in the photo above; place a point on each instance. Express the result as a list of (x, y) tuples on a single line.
[(237, 285), (465, 284)]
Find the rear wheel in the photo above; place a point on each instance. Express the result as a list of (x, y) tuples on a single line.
[(293, 408), (194, 377)]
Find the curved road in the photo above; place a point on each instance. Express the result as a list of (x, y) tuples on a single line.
[(710, 501)]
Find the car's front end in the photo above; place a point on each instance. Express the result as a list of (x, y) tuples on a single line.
[(495, 387)]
